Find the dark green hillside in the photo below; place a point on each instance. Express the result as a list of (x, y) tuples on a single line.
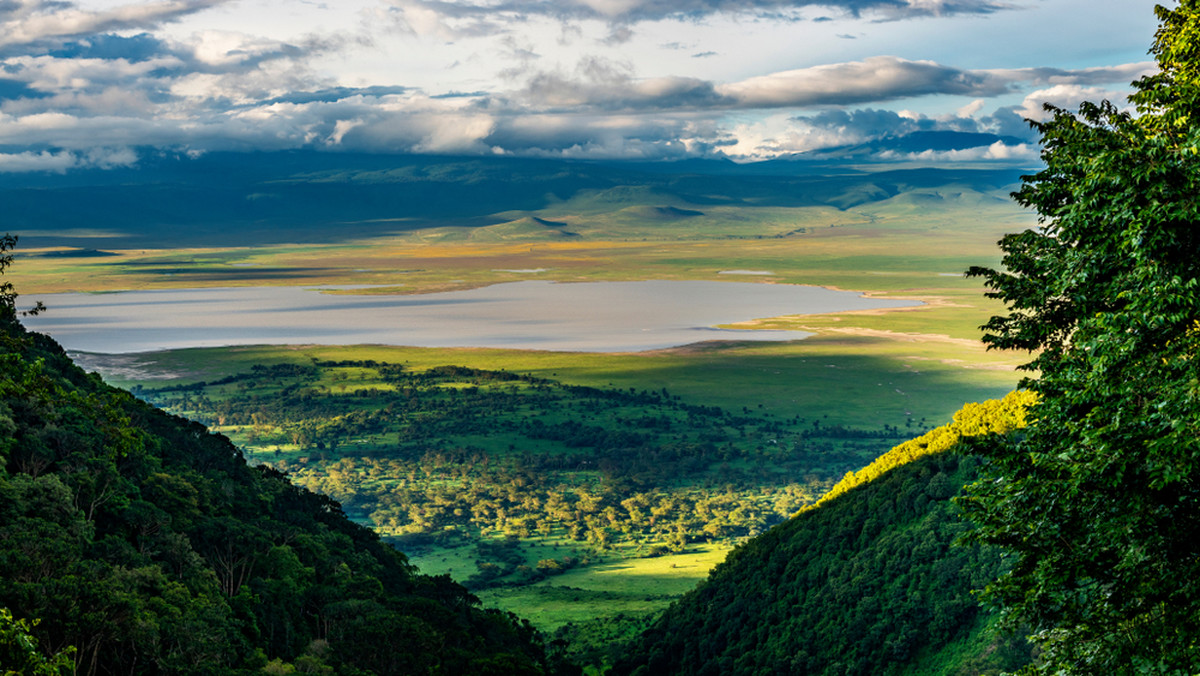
[(868, 583), (149, 545)]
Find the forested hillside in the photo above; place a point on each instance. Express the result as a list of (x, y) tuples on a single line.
[(870, 582), (149, 545)]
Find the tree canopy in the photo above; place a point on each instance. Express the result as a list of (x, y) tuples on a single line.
[(1100, 499)]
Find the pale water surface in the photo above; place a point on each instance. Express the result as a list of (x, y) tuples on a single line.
[(539, 315)]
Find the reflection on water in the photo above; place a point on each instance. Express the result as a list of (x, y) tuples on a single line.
[(594, 316)]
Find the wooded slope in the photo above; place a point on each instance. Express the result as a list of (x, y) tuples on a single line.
[(149, 545), (870, 582)]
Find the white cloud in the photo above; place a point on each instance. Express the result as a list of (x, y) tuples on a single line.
[(610, 8), (450, 19), (603, 135), (879, 78), (226, 48), (340, 129), (114, 101), (875, 135), (945, 7), (90, 86), (598, 110), (58, 162), (1065, 96), (971, 108), (1022, 152), (423, 129), (773, 136), (109, 158), (417, 19), (30, 21), (603, 84), (198, 91), (53, 74), (1122, 74), (61, 161)]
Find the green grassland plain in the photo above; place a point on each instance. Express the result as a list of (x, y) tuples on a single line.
[(900, 367)]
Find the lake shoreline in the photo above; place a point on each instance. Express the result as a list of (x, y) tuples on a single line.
[(534, 314)]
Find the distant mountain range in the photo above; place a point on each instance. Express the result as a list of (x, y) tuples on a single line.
[(245, 199)]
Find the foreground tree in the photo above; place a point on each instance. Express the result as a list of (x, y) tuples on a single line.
[(1100, 500)]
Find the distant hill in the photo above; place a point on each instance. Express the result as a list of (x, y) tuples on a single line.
[(658, 214), (868, 582), (529, 228), (149, 545)]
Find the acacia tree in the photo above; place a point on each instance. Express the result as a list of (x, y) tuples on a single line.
[(1099, 501)]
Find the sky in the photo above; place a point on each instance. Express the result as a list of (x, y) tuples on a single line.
[(106, 83)]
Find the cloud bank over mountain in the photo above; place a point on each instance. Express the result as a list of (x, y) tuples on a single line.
[(99, 83)]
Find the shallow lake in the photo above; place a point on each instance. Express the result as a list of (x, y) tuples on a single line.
[(539, 315)]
